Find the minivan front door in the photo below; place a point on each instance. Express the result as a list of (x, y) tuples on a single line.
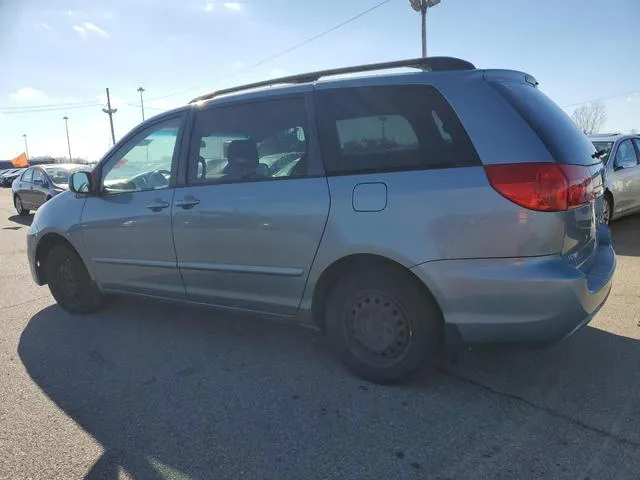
[(248, 224), (127, 226)]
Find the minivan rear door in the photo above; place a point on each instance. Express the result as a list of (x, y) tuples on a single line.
[(249, 220)]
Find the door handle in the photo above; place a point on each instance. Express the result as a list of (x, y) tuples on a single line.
[(187, 204), (156, 207)]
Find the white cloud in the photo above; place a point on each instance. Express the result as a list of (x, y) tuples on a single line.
[(87, 27), (235, 6), (212, 5), (27, 93), (237, 65), (44, 26)]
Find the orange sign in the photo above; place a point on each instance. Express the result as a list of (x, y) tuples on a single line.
[(20, 161)]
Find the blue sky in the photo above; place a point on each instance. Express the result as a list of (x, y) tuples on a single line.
[(68, 51)]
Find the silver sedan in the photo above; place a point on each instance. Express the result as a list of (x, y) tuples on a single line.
[(621, 156), (39, 184)]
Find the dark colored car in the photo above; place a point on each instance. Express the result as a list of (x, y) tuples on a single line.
[(7, 178), (39, 184)]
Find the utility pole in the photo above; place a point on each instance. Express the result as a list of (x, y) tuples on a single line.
[(140, 89), (26, 148), (422, 6), (110, 111), (66, 124)]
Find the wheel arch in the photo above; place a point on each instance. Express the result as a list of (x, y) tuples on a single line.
[(608, 196), (345, 264), (45, 245)]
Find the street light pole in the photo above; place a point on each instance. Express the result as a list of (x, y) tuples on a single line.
[(140, 89), (26, 148), (422, 6), (66, 124), (423, 14)]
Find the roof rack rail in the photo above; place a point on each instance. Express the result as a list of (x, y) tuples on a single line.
[(429, 64)]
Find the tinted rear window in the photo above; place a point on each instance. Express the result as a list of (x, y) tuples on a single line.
[(555, 128), (390, 128)]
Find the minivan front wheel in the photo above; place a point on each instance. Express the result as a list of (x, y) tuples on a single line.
[(383, 325), (17, 202), (70, 282)]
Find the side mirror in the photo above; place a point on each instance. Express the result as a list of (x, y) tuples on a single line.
[(626, 163), (80, 182)]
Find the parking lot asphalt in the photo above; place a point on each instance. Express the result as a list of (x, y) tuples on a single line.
[(149, 390)]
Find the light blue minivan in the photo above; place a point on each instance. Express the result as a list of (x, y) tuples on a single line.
[(395, 212)]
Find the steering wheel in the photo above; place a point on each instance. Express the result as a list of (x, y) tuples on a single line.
[(159, 178)]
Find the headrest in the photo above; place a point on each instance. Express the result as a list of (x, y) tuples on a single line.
[(243, 150)]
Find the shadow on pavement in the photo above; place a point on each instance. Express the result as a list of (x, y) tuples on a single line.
[(626, 235), (25, 220), (169, 391)]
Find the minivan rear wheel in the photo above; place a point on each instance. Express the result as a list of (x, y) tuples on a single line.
[(383, 325), (70, 282)]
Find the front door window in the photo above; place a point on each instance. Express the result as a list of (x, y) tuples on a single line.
[(143, 163)]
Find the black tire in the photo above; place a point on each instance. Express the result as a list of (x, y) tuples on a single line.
[(383, 325), (70, 282), (17, 202), (607, 209)]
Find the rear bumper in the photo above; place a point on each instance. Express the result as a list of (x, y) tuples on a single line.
[(529, 300)]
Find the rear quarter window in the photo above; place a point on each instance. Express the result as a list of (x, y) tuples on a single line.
[(390, 128), (554, 127)]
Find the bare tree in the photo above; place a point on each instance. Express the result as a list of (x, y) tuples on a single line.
[(633, 131), (590, 118)]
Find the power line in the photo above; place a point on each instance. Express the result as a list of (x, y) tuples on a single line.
[(283, 52), (65, 106), (75, 105), (70, 104), (633, 92), (52, 109)]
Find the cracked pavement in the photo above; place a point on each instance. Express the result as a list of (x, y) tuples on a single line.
[(149, 390)]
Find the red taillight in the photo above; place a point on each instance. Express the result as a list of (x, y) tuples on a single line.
[(547, 187)]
